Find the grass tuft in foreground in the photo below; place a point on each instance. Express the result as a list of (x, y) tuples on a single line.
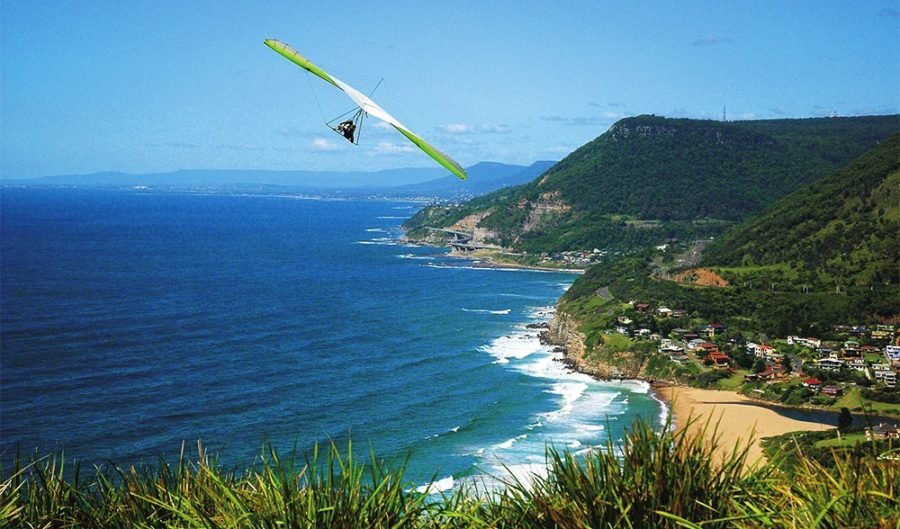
[(648, 480)]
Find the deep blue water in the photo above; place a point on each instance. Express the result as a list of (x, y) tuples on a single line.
[(133, 321)]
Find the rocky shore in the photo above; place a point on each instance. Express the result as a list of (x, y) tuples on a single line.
[(562, 332)]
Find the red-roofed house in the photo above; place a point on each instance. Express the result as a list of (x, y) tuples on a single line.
[(719, 358), (812, 383)]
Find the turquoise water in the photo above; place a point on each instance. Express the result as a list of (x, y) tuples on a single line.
[(133, 321)]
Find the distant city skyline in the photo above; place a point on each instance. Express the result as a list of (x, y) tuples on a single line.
[(150, 86)]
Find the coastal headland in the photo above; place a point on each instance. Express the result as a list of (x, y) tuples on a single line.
[(727, 418), (733, 419)]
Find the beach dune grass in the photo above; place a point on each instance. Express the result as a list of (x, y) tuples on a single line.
[(648, 479)]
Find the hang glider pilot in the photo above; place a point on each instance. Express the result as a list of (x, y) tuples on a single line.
[(347, 129)]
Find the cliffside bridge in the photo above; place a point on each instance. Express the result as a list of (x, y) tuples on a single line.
[(462, 240)]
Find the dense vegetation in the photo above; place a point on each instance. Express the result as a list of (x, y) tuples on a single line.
[(741, 308), (648, 480), (649, 179), (828, 448), (839, 232), (827, 254)]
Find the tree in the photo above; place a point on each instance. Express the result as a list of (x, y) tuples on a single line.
[(786, 364), (759, 365), (845, 420)]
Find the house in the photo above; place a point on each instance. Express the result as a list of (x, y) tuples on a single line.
[(712, 329), (869, 349), (768, 373), (677, 313), (857, 363), (812, 383), (832, 390), (671, 350), (666, 342), (812, 343), (885, 374), (882, 335), (761, 350), (825, 350), (892, 352), (624, 320), (678, 358), (830, 364), (851, 349), (695, 343), (882, 431), (708, 346), (665, 312), (643, 332), (719, 359), (641, 307)]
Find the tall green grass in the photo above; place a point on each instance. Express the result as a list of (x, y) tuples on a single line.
[(648, 480)]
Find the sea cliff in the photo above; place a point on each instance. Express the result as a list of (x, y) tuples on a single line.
[(563, 331)]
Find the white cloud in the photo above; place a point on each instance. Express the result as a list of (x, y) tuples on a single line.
[(393, 148), (494, 128), (461, 129), (456, 128), (579, 121), (322, 144)]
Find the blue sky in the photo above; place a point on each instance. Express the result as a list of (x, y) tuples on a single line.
[(149, 86)]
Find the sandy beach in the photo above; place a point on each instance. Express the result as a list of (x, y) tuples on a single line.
[(740, 419)]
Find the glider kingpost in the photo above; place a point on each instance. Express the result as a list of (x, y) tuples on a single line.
[(366, 105)]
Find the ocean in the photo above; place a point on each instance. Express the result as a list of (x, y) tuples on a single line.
[(133, 321)]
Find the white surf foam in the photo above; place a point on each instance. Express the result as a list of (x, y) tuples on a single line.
[(440, 485), (517, 345), (486, 311), (382, 241)]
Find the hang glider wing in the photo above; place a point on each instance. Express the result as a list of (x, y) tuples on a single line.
[(367, 105)]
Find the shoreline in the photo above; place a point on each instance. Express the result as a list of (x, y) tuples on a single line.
[(733, 419), (490, 261)]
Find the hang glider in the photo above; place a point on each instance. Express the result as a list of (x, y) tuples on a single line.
[(366, 106)]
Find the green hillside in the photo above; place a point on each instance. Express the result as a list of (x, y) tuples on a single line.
[(827, 254), (840, 232), (649, 179)]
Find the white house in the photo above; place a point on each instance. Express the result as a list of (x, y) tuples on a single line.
[(830, 364), (884, 374), (695, 343), (812, 343), (892, 352)]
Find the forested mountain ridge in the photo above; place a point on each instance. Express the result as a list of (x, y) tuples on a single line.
[(649, 178), (827, 254), (844, 230)]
